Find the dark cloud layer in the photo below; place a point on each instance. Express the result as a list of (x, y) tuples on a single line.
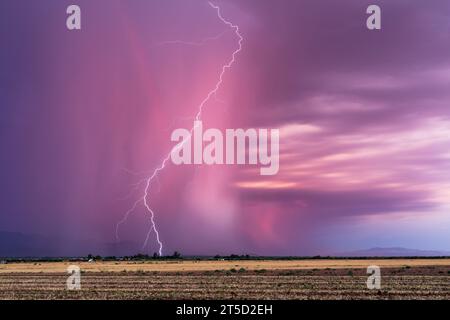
[(364, 119)]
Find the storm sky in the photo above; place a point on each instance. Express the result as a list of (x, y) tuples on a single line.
[(364, 118)]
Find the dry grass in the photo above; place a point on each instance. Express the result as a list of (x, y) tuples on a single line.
[(189, 266), (315, 279)]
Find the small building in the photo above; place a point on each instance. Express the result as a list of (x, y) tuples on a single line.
[(3, 262)]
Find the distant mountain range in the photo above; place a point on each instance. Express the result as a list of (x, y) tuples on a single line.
[(19, 245), (393, 252), (15, 244)]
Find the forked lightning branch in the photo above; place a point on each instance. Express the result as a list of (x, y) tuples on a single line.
[(186, 137)]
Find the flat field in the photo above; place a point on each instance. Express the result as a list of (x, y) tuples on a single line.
[(237, 279)]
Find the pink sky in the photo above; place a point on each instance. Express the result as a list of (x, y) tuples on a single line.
[(364, 118)]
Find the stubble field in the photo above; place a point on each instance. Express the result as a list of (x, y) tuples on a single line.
[(270, 279)]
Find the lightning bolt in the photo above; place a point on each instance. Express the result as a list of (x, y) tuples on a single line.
[(149, 180)]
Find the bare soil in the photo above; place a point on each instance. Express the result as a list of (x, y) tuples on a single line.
[(303, 279)]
